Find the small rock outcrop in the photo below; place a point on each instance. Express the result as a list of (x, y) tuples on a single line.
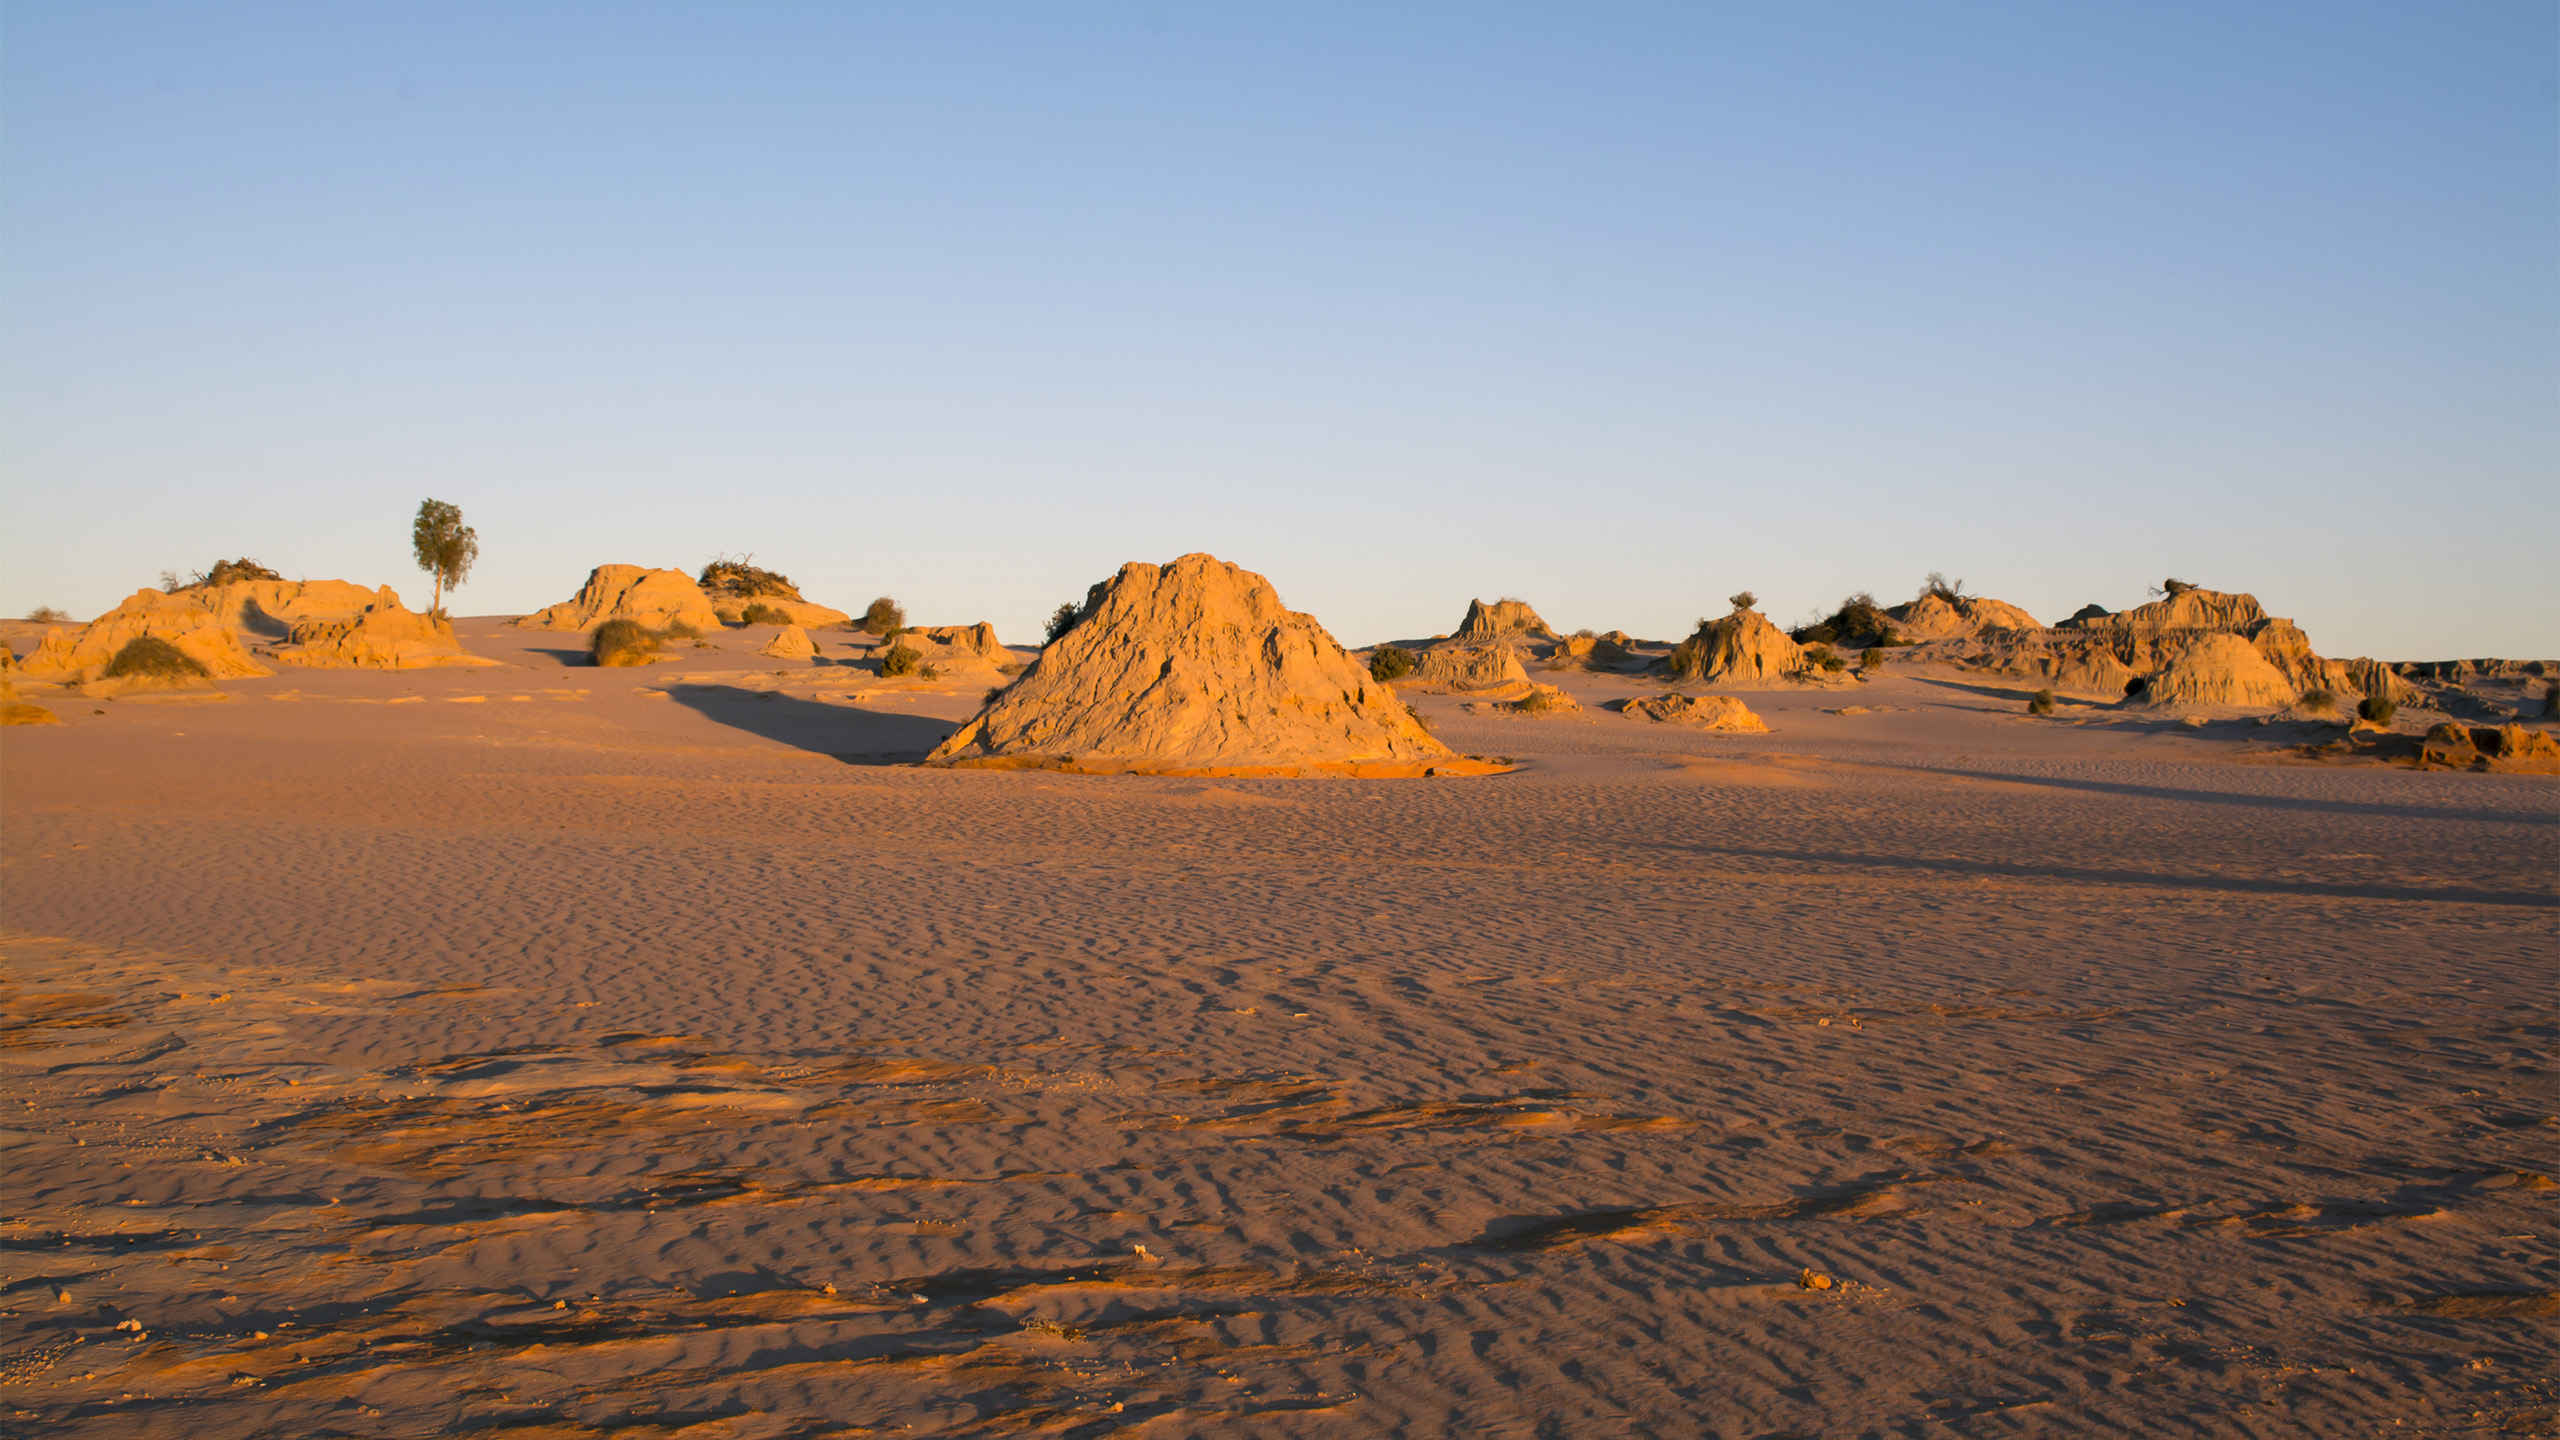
[(954, 649), (1743, 646), (790, 643), (1698, 712), (1470, 668), (655, 599), (1936, 617), (381, 636), (1501, 620), (66, 658), (1193, 666), (1541, 700)]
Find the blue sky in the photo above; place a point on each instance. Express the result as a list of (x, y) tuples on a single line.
[(1616, 308)]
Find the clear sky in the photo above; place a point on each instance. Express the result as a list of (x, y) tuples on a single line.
[(1618, 308)]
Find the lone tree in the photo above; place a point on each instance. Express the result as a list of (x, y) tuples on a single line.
[(445, 546)]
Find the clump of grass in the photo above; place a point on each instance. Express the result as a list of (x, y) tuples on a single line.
[(2378, 709), (1939, 585), (1872, 657), (624, 642), (885, 618), (2319, 700), (760, 613), (902, 660), (2040, 703), (1389, 663), (48, 615), (994, 693), (742, 579), (150, 657)]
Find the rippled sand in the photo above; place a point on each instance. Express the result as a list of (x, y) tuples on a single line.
[(561, 1052)]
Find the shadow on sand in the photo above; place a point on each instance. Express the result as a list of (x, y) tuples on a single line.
[(848, 733), (2148, 879)]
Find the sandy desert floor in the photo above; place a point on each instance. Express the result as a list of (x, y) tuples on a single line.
[(552, 1051)]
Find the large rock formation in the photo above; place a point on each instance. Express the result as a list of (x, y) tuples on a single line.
[(271, 608), (1193, 666), (2102, 654), (655, 599), (381, 636), (2216, 669), (1501, 620), (1743, 646), (1700, 712), (179, 619)]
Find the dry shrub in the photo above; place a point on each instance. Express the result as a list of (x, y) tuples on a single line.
[(1390, 663), (2378, 709), (741, 579), (885, 618), (902, 660), (225, 572), (149, 656), (2319, 700), (763, 614), (48, 615), (1872, 657), (2040, 703), (624, 642)]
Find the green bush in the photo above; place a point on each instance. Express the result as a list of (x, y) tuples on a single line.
[(2321, 700), (2041, 703), (1872, 657), (901, 660), (150, 657), (760, 613), (885, 618), (1389, 663), (623, 642), (2377, 709), (1822, 658)]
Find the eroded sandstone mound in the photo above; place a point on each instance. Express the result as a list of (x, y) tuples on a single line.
[(1936, 617), (1501, 620), (196, 631), (655, 599), (1743, 646), (381, 636), (790, 643), (2216, 669), (956, 649), (1470, 668), (271, 608), (1195, 665), (1699, 712), (737, 587)]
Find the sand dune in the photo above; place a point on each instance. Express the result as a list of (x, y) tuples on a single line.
[(545, 1050)]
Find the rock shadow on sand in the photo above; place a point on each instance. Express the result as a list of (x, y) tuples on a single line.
[(845, 732)]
